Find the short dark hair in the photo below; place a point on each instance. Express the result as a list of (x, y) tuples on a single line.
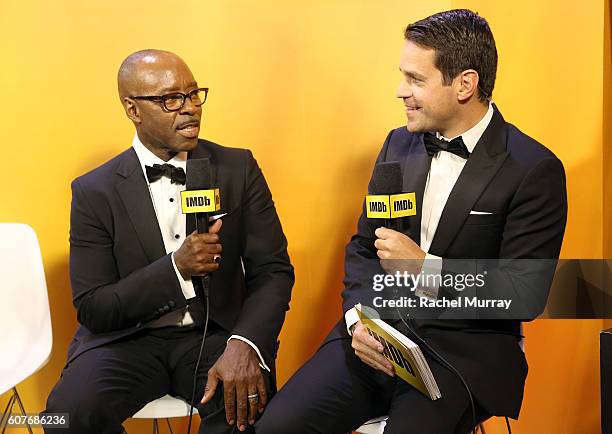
[(462, 40)]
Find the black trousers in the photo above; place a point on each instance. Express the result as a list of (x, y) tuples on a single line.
[(106, 385), (335, 392)]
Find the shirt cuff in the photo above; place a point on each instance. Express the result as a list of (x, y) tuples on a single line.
[(351, 317), (262, 362), (432, 266), (186, 285)]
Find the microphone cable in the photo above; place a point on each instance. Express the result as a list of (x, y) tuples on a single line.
[(195, 373), (198, 177), (445, 363), (451, 368)]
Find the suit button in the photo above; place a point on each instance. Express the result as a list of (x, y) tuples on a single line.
[(166, 308), (171, 303), (160, 310)]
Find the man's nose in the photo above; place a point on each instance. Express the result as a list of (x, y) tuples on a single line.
[(189, 108), (404, 90)]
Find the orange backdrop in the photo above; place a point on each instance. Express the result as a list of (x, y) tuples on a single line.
[(310, 88)]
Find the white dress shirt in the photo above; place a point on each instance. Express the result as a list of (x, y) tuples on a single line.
[(443, 174), (166, 198)]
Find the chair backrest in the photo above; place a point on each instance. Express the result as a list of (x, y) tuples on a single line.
[(25, 320)]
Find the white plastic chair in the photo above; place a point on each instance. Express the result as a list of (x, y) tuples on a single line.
[(373, 426), (165, 407), (25, 320)]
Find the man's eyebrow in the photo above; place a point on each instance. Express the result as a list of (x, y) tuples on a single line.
[(173, 89), (412, 74)]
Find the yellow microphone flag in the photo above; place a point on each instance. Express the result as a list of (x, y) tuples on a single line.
[(402, 205), (377, 206), (200, 201), (382, 206)]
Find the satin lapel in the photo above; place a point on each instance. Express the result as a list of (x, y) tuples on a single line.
[(486, 160), (134, 193), (415, 169), (201, 152)]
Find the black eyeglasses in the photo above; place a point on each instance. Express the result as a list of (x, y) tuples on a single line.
[(174, 101)]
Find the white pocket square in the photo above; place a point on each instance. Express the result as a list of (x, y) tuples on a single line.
[(480, 212)]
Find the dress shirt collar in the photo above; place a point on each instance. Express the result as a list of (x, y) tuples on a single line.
[(148, 158), (473, 135)]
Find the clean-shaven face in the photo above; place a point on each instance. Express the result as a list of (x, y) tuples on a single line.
[(430, 105), (174, 131)]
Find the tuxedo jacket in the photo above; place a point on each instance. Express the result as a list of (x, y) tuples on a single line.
[(122, 277), (522, 185)]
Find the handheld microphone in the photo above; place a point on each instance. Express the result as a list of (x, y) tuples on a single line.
[(200, 199), (388, 202)]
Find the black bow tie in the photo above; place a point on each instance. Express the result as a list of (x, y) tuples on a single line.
[(455, 146), (155, 172)]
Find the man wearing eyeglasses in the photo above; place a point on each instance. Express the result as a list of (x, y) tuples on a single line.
[(132, 258)]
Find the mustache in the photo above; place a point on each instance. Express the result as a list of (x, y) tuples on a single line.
[(188, 123)]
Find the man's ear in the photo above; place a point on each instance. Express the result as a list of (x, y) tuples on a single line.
[(467, 84), (131, 110)]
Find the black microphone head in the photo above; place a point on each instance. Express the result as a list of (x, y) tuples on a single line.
[(387, 178), (198, 174)]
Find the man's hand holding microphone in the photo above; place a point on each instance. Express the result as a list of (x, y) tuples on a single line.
[(200, 253)]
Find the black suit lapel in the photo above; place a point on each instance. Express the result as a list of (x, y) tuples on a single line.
[(487, 158), (136, 197), (415, 170), (200, 152)]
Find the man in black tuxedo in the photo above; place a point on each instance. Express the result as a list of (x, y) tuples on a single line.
[(132, 258), (483, 190)]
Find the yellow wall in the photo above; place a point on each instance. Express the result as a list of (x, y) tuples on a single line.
[(309, 87)]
